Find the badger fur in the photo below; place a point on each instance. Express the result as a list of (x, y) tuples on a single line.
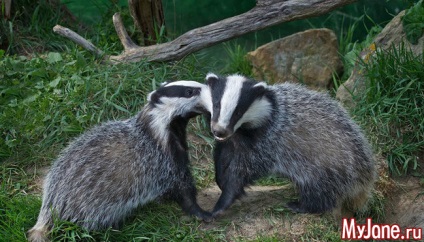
[(289, 130), (110, 170)]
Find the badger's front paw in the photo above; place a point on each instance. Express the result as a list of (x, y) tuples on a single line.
[(206, 216), (217, 213)]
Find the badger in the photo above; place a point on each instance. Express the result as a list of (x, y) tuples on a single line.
[(286, 129), (104, 174)]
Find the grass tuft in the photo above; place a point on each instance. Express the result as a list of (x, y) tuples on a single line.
[(30, 28), (392, 106), (237, 61)]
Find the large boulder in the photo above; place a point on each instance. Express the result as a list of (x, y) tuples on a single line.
[(392, 35), (310, 57)]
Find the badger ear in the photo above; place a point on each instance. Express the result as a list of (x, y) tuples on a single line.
[(261, 84), (260, 87), (149, 96), (164, 83), (210, 78)]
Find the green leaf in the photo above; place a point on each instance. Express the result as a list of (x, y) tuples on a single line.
[(77, 79), (55, 82), (31, 98), (81, 63), (54, 57)]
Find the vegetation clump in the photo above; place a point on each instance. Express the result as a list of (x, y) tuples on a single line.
[(392, 106)]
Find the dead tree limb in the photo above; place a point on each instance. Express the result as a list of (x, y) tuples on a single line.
[(266, 13), (65, 32), (122, 33)]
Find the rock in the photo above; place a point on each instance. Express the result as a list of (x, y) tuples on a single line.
[(392, 35), (405, 206), (356, 82), (309, 57)]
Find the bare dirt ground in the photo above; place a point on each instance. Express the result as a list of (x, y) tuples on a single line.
[(261, 212), (405, 203), (406, 206)]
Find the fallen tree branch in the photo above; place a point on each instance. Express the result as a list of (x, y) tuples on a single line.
[(266, 13), (122, 33), (65, 32)]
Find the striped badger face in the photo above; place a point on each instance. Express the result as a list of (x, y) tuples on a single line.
[(236, 102), (181, 98)]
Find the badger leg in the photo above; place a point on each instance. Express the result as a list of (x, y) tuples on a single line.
[(187, 201), (184, 193), (296, 207), (39, 233), (314, 198), (227, 198), (231, 184)]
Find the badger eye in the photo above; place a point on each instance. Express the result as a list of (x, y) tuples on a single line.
[(189, 92)]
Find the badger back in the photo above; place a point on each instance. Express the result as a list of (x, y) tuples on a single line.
[(238, 102)]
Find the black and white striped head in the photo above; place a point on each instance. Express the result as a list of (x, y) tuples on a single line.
[(237, 102), (180, 98)]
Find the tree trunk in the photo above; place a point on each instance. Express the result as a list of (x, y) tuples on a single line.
[(148, 18), (7, 6)]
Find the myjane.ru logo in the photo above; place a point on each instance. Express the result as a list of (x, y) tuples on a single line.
[(353, 231)]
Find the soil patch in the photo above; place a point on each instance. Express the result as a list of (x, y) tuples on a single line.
[(405, 204), (261, 212)]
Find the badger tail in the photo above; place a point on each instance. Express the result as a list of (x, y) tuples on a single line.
[(38, 233)]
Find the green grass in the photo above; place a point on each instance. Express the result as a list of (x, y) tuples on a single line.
[(413, 22), (47, 100), (18, 209), (391, 109), (324, 231), (30, 28), (17, 213), (237, 61)]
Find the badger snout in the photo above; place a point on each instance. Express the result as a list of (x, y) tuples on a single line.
[(221, 133)]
